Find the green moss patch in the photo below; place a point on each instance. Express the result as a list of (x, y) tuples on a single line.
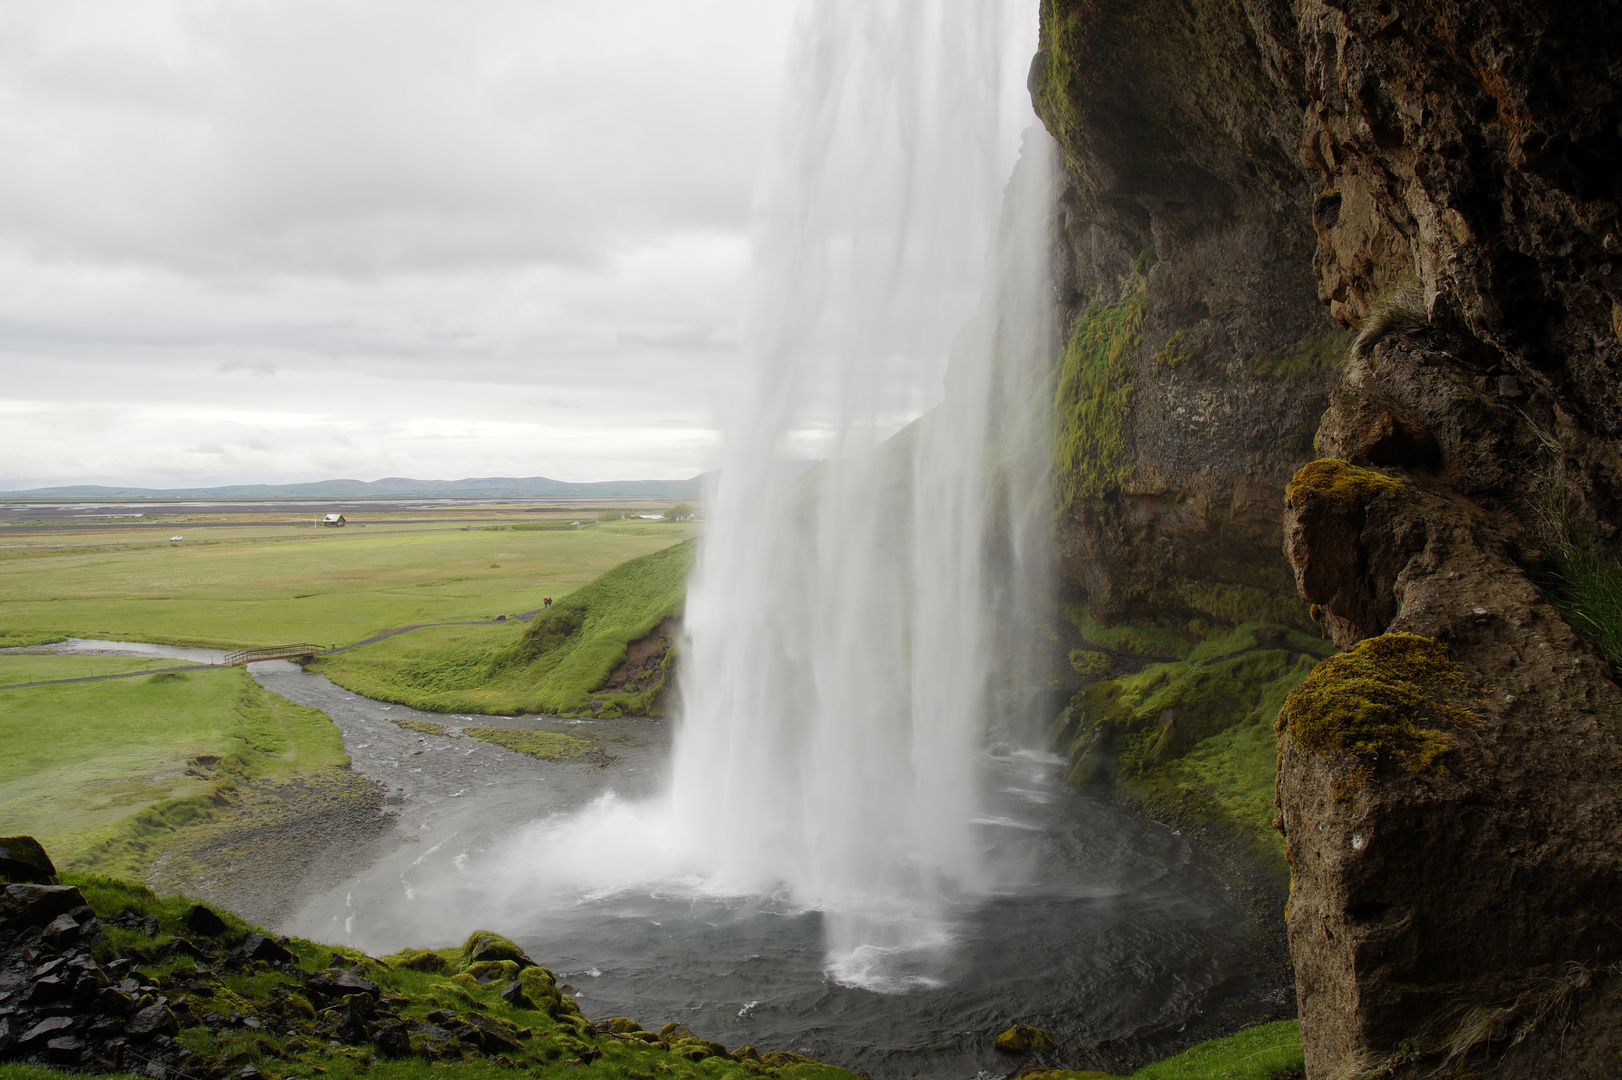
[(548, 745), (1192, 740), (1333, 481), (421, 727), (1262, 1052), (1091, 401), (1392, 696), (1308, 357)]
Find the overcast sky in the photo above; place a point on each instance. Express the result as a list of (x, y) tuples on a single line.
[(277, 240)]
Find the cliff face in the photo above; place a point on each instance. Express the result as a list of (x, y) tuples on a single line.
[(1397, 226), (1199, 358)]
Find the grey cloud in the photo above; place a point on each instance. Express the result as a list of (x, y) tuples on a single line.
[(497, 237)]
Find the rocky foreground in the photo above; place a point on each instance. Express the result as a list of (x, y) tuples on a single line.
[(101, 975)]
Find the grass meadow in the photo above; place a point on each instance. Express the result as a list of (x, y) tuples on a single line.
[(102, 772), (336, 586), (553, 664)]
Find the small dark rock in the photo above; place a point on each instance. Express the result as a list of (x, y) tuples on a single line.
[(513, 994), (22, 859), (392, 1039), (66, 1048), (48, 1028), (39, 904), (62, 928), (339, 983), (260, 947), (50, 988), (149, 926), (153, 1020), (248, 1072), (202, 920), (491, 1036), (183, 947)]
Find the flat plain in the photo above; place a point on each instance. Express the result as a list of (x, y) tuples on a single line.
[(110, 774), (322, 586)]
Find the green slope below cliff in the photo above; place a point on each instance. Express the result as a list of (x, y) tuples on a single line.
[(558, 664)]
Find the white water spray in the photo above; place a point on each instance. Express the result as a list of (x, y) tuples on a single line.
[(842, 623)]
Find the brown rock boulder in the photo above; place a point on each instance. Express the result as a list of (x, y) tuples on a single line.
[(1457, 891)]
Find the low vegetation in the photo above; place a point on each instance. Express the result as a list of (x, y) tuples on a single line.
[(555, 665), (1329, 480), (1093, 393), (327, 586), (105, 772), (1263, 1052), (1588, 590), (547, 745), (1391, 697), (193, 992), (1188, 735)]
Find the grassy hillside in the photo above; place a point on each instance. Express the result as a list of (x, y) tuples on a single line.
[(1181, 720), (335, 585), (105, 772), (553, 665)]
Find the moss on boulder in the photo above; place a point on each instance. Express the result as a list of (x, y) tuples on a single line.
[(1334, 481), (1024, 1039), (1391, 696)]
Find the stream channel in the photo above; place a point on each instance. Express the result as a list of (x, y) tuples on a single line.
[(1111, 930)]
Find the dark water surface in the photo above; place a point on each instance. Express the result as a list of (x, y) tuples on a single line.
[(1102, 926)]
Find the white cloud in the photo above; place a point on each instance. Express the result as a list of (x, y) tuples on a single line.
[(274, 241)]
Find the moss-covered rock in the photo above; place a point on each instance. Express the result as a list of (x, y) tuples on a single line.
[(23, 859), (429, 960), (482, 946), (1090, 453), (1390, 697), (1024, 1039), (210, 1007), (1332, 481)]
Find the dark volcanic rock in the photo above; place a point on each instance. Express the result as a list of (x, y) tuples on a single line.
[(22, 859), (37, 905), (259, 947), (338, 983), (204, 921)]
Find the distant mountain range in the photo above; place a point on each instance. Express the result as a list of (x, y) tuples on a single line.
[(392, 487)]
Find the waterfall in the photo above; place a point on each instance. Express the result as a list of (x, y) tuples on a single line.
[(846, 624)]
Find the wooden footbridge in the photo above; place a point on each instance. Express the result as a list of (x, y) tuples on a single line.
[(300, 651)]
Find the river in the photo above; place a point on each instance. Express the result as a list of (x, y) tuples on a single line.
[(1115, 932)]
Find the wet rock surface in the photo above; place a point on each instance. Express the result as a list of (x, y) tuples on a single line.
[(1454, 165)]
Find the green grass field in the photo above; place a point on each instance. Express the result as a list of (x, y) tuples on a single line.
[(553, 665), (320, 587), (40, 667), (103, 772)]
